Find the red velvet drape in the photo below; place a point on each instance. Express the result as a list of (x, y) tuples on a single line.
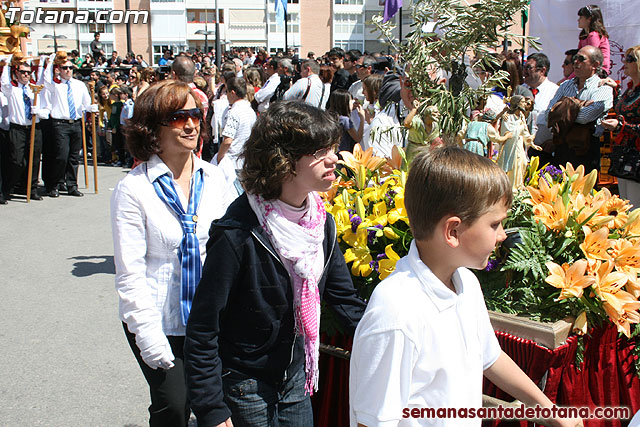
[(606, 378)]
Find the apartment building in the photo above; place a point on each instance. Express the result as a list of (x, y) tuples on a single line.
[(179, 25)]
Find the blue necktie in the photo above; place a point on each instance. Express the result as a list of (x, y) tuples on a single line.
[(27, 103), (189, 252), (72, 105)]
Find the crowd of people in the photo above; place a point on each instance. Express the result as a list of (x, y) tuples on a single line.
[(224, 252)]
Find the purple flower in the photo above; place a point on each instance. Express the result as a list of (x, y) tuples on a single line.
[(373, 265), (372, 233), (381, 256), (493, 263), (355, 222)]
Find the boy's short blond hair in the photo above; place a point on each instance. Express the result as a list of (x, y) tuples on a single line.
[(452, 181)]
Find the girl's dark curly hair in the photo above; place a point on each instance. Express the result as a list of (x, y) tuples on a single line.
[(280, 137), (153, 107)]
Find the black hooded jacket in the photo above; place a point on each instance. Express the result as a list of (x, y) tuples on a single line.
[(242, 314)]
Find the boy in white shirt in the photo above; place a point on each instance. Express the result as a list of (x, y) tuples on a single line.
[(425, 340)]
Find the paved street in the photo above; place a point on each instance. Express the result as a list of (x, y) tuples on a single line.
[(65, 358)]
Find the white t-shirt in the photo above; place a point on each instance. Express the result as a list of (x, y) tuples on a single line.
[(420, 345), (239, 121)]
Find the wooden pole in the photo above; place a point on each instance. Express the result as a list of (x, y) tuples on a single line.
[(36, 89), (92, 86), (84, 154)]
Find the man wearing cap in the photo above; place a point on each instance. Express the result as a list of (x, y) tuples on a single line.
[(15, 82), (69, 100)]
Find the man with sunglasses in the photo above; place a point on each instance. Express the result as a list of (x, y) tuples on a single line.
[(567, 65), (69, 100), (21, 111), (535, 78), (585, 86), (364, 68)]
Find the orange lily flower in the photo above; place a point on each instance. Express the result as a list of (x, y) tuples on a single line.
[(580, 326), (596, 244), (571, 279), (624, 317), (361, 158), (553, 216), (608, 285), (544, 193)]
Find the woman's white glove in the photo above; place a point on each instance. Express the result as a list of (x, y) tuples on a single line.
[(158, 355)]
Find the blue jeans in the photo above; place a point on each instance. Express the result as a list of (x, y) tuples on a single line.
[(254, 403)]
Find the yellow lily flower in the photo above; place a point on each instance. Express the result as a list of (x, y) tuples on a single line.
[(399, 212), (388, 265), (617, 208), (358, 254), (390, 234)]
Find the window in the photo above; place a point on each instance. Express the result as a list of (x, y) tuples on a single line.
[(356, 2), (201, 16), (350, 44), (293, 23), (158, 50), (348, 23), (93, 27)]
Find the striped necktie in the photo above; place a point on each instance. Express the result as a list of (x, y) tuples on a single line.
[(189, 251), (72, 105), (27, 103)]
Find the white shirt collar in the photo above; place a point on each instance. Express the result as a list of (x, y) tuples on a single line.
[(441, 296), (157, 168)]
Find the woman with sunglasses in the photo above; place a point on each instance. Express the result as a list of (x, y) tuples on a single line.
[(160, 216), (251, 349), (627, 122), (594, 33)]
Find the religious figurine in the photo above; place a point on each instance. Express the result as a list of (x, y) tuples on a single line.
[(512, 157), (479, 135), (423, 131), (10, 35)]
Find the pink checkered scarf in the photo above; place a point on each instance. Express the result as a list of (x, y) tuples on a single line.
[(300, 247)]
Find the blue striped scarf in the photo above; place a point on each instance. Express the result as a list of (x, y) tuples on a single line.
[(189, 251)]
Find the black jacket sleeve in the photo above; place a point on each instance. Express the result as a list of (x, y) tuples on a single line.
[(202, 364), (339, 291)]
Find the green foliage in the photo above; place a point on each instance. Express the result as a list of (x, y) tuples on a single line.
[(462, 30)]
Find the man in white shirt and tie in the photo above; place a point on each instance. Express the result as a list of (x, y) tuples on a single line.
[(21, 110), (309, 88), (69, 101), (535, 73)]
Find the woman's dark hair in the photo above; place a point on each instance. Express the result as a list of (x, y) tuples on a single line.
[(148, 74), (280, 137), (153, 107), (326, 73), (340, 102), (596, 24), (511, 64), (371, 87)]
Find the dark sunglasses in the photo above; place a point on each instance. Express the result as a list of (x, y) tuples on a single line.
[(630, 58), (579, 58), (25, 72), (179, 118), (66, 67)]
